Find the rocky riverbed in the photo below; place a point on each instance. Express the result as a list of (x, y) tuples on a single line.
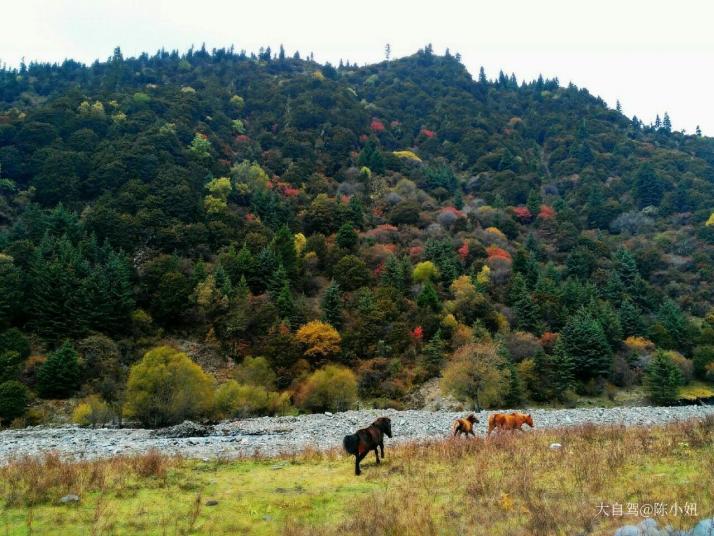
[(270, 436)]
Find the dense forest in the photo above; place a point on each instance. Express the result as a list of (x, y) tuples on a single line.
[(339, 234)]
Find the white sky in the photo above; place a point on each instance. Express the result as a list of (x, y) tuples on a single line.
[(653, 55)]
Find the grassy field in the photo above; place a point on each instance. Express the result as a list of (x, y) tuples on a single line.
[(509, 485)]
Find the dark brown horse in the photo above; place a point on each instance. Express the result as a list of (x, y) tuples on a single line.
[(366, 439)]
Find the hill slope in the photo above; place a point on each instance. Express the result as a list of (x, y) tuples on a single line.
[(234, 199)]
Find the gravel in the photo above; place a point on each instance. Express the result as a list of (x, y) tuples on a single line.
[(270, 436)]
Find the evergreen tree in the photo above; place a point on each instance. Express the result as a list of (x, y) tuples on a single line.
[(59, 376), (662, 380), (284, 247), (534, 202), (347, 237), (562, 371), (666, 123), (433, 354), (585, 343), (676, 326), (630, 319), (649, 188), (515, 388), (332, 305), (428, 297), (285, 304), (396, 273)]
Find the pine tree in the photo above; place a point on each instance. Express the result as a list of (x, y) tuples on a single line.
[(285, 304), (59, 376), (625, 267), (562, 371), (284, 248), (649, 188), (278, 280), (515, 387), (662, 380), (630, 319), (428, 297), (534, 201), (666, 123), (332, 305), (584, 342), (433, 354), (346, 237), (396, 273)]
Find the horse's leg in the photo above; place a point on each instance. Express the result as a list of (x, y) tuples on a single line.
[(358, 458), (381, 446), (376, 452)]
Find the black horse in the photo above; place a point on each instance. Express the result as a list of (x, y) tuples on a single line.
[(366, 439)]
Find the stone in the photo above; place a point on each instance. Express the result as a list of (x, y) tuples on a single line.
[(704, 528), (67, 499), (555, 446), (211, 502), (185, 429)]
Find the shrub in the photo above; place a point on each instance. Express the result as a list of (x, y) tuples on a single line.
[(91, 411), (233, 399), (59, 376), (13, 401), (331, 388), (477, 374), (255, 371), (166, 387)]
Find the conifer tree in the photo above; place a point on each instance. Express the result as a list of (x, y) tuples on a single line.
[(346, 237), (562, 371), (585, 343), (428, 297), (332, 305), (59, 376), (662, 380)]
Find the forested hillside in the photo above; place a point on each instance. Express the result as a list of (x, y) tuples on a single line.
[(340, 233)]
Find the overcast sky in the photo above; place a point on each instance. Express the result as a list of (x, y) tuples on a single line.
[(653, 55)]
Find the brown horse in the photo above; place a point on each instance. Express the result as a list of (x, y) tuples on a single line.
[(366, 439), (465, 426), (508, 421)]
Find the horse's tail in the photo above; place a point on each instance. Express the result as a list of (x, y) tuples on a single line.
[(351, 443)]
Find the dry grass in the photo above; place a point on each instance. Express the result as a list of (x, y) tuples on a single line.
[(515, 484), (31, 481), (511, 484)]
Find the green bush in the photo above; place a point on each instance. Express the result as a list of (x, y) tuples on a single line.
[(91, 412), (255, 371), (233, 399), (9, 366), (12, 340), (331, 388), (13, 401), (703, 356), (166, 387)]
